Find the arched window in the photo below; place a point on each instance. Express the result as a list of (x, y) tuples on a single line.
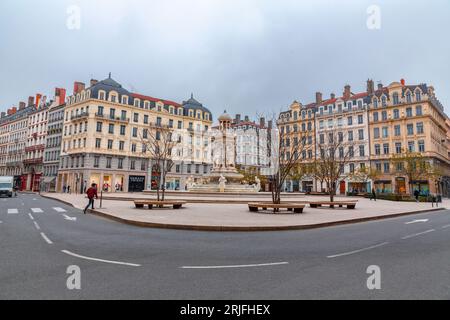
[(375, 103), (418, 95), (408, 97), (295, 115), (383, 101), (395, 98)]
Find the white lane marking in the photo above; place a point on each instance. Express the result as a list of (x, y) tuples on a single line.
[(46, 238), (417, 234), (31, 217), (236, 266), (100, 260), (446, 226), (13, 211), (37, 226), (1, 221), (357, 251), (417, 221), (69, 218), (37, 210), (34, 199), (58, 209)]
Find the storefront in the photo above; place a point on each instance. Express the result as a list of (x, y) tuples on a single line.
[(136, 183), (400, 185), (307, 186), (118, 183), (359, 187), (422, 186), (383, 186)]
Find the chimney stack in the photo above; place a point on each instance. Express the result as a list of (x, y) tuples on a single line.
[(60, 95), (30, 101), (3, 114), (347, 92), (78, 87), (262, 122), (380, 86), (93, 82), (403, 82), (238, 118), (22, 105), (319, 97), (270, 124), (247, 119), (370, 87), (332, 96)]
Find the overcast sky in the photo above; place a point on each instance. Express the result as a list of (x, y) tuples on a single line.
[(246, 56)]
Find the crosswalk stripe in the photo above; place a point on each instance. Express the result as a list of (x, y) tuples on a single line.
[(37, 210), (13, 211), (58, 209)]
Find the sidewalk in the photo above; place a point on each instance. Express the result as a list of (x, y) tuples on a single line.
[(237, 217)]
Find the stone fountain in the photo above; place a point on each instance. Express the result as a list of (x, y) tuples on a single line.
[(224, 176)]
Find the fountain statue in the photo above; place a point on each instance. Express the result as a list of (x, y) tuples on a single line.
[(224, 176)]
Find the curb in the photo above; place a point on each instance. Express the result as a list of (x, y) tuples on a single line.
[(255, 228), (246, 228)]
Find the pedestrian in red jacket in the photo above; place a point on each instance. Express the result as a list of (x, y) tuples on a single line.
[(91, 193)]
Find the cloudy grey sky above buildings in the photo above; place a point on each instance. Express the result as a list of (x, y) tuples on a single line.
[(246, 56)]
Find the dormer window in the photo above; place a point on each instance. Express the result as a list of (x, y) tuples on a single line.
[(146, 105), (124, 100), (191, 113), (113, 98), (180, 111), (408, 97), (395, 98), (418, 95), (383, 101), (101, 95), (137, 102)]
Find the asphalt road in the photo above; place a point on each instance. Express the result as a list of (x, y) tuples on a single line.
[(41, 238)]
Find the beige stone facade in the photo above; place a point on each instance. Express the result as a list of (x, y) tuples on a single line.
[(102, 143)]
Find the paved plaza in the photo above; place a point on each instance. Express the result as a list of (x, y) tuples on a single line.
[(236, 216)]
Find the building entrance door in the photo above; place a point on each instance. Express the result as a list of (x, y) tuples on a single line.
[(342, 187)]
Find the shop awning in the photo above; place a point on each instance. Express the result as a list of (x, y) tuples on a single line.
[(48, 179), (419, 181), (383, 181)]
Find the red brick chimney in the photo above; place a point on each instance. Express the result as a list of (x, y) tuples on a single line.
[(78, 87), (347, 92), (60, 94), (319, 97), (22, 105), (30, 101), (403, 82)]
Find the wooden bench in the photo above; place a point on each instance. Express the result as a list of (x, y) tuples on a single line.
[(159, 204), (296, 207), (340, 204)]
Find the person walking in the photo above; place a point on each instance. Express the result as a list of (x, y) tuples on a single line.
[(374, 195), (91, 193), (416, 195)]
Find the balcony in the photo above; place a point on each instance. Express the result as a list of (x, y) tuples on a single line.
[(39, 147), (34, 161), (79, 116), (109, 118)]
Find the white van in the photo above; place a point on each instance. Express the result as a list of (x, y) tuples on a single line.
[(6, 186)]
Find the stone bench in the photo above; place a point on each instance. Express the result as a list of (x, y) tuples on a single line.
[(297, 208), (158, 204), (340, 204)]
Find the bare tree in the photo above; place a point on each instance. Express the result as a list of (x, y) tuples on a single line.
[(158, 142), (334, 152), (286, 147)]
